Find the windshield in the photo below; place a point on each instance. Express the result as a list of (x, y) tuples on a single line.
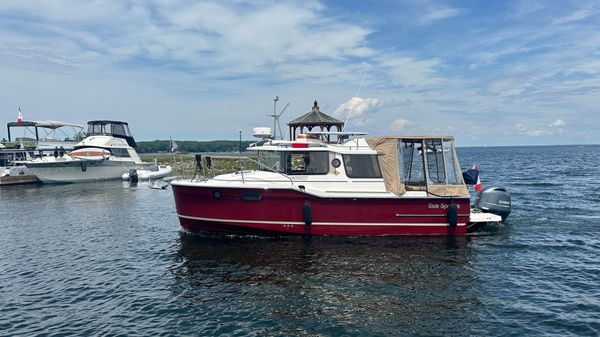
[(108, 128)]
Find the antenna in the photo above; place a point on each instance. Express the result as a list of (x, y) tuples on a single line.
[(357, 92), (276, 116)]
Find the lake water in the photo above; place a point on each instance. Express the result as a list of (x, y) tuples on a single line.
[(104, 259)]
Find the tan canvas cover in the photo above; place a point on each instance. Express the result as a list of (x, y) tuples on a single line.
[(448, 190), (388, 162), (387, 155)]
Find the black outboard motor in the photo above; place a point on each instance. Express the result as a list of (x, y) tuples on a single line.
[(495, 200)]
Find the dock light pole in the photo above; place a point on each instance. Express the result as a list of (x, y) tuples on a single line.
[(240, 143)]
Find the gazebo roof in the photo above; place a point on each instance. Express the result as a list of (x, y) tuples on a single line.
[(315, 117)]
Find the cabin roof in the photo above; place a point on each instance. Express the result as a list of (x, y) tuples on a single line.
[(106, 121), (315, 117), (416, 137), (43, 124)]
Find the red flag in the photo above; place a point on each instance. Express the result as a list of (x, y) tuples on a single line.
[(20, 116), (479, 185)]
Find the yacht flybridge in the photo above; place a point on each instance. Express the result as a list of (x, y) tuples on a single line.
[(106, 153), (388, 185)]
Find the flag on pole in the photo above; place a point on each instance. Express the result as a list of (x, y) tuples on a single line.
[(174, 146), (20, 116), (479, 185)]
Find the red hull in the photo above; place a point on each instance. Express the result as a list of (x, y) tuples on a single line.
[(278, 212)]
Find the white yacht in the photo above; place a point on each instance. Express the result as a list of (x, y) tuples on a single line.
[(30, 139), (107, 153)]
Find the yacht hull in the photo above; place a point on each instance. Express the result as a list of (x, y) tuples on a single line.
[(73, 171), (264, 211)]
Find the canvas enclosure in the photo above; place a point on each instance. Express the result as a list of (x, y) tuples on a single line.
[(436, 165), (387, 154)]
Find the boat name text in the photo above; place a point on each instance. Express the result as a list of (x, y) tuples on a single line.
[(442, 206)]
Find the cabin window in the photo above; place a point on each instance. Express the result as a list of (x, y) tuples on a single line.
[(118, 129), (411, 157), (123, 153), (452, 168), (95, 129), (307, 162), (361, 166), (435, 161)]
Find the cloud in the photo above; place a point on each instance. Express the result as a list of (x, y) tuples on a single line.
[(411, 72), (218, 38), (538, 131), (535, 132), (438, 14), (526, 7), (576, 16), (525, 62), (400, 124), (356, 108)]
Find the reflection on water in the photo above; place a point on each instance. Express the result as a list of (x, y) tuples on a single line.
[(334, 286)]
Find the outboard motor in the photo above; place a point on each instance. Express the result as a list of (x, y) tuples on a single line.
[(495, 200)]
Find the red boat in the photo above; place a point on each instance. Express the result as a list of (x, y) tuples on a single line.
[(390, 185)]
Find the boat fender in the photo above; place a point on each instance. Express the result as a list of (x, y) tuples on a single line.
[(208, 162), (452, 215), (133, 176), (83, 166), (307, 213)]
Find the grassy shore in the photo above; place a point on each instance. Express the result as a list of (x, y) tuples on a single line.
[(184, 164)]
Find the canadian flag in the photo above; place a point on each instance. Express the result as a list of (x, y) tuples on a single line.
[(479, 185), (20, 116)]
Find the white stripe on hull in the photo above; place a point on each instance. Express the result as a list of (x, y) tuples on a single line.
[(316, 223)]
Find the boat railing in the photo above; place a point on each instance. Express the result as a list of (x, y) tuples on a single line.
[(241, 171), (267, 169)]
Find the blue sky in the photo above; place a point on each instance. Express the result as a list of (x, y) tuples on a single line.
[(487, 72)]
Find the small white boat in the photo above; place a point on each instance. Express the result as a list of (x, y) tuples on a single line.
[(148, 174)]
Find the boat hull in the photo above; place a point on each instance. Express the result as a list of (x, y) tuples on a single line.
[(73, 171), (290, 212)]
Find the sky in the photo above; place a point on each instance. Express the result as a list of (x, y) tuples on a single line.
[(486, 72)]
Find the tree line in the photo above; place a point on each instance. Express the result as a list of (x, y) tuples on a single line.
[(156, 146)]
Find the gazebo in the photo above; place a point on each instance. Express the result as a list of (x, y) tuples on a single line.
[(312, 119)]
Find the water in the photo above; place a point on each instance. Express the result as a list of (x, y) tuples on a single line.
[(107, 259)]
